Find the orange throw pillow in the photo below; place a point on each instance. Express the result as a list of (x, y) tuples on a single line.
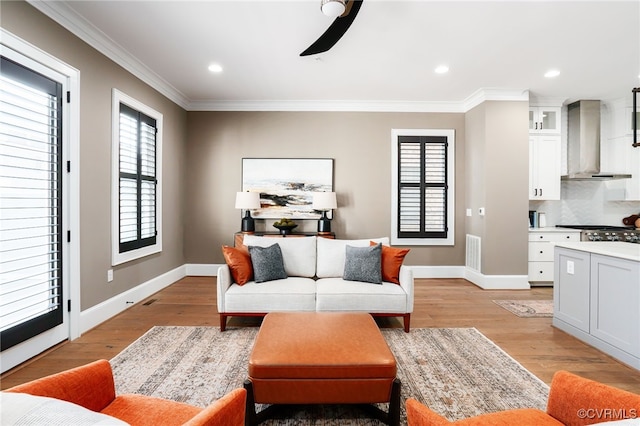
[(239, 263), (392, 259)]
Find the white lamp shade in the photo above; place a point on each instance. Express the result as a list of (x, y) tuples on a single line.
[(332, 8), (324, 201), (247, 200)]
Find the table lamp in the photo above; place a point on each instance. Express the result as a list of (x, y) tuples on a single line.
[(324, 201), (248, 201)]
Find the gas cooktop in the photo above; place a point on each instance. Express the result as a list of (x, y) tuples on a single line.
[(598, 227)]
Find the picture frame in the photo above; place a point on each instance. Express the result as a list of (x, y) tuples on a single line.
[(286, 185)]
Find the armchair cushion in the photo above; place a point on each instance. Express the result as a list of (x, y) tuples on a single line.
[(25, 409)]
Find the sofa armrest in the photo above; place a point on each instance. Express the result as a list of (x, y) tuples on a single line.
[(90, 386), (406, 282), (224, 281), (578, 401), (227, 411)]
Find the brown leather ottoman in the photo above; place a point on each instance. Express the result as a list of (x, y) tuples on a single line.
[(322, 358)]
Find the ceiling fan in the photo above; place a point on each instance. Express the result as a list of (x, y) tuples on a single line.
[(346, 11)]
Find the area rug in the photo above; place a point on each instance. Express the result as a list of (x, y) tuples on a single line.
[(528, 308), (457, 372)]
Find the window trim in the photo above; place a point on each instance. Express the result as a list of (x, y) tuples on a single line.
[(449, 240), (117, 257)]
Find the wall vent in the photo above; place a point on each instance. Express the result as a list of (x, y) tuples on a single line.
[(474, 250)]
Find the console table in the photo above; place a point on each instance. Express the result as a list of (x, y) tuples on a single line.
[(239, 236)]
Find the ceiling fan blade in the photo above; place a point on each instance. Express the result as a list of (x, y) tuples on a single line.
[(336, 30)]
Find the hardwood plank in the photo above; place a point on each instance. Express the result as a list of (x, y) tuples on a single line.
[(533, 342)]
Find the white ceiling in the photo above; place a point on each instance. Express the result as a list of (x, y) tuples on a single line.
[(385, 61)]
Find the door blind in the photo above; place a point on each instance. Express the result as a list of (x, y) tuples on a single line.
[(30, 204)]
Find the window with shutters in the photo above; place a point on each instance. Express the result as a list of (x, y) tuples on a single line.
[(136, 186), (422, 187)]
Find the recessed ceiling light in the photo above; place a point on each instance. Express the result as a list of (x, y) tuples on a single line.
[(442, 69), (216, 68), (552, 73)]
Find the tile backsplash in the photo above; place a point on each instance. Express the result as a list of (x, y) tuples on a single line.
[(585, 203)]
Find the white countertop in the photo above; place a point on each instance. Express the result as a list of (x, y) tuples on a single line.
[(618, 249), (554, 229)]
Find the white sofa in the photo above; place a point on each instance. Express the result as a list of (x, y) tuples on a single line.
[(314, 268)]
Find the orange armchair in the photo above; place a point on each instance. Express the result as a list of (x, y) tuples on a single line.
[(573, 401), (92, 386)]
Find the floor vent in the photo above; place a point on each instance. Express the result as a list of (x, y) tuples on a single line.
[(472, 259), (148, 302)]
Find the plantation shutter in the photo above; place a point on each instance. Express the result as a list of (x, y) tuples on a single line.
[(30, 204), (138, 183), (422, 187)]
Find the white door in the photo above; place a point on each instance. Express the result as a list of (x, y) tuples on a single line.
[(34, 252)]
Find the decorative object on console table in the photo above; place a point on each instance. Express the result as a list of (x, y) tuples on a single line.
[(285, 226), (324, 202), (248, 201)]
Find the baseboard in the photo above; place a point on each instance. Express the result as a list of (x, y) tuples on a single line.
[(101, 312), (438, 271), (202, 269), (497, 282)]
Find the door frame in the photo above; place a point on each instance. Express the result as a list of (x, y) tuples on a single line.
[(71, 207)]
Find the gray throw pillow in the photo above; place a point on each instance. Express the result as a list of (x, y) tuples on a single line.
[(268, 264), (363, 264)]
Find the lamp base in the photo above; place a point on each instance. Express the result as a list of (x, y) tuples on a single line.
[(324, 225), (248, 225)]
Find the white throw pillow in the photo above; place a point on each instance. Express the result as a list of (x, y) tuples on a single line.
[(22, 409), (298, 253), (331, 254)]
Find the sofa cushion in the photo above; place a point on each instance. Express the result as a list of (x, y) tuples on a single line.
[(336, 294), (25, 409), (267, 263), (392, 259), (298, 253), (291, 294), (363, 264), (331, 255), (239, 262)]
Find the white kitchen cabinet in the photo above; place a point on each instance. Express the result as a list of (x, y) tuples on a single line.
[(597, 299), (615, 299), (544, 120), (544, 167), (541, 252), (572, 293)]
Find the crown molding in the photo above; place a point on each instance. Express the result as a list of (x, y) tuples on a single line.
[(79, 26), (327, 106)]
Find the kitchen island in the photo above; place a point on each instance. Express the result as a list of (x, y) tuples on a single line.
[(596, 296)]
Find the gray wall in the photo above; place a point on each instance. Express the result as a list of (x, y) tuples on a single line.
[(497, 179), (359, 143), (98, 75)]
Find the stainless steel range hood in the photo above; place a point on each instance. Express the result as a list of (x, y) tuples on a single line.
[(583, 148)]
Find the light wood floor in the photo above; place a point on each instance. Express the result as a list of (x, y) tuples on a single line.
[(533, 342)]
